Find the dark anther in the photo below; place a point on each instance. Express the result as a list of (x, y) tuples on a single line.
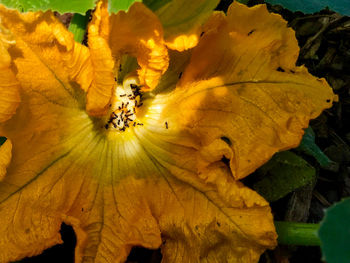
[(166, 125), (180, 75), (280, 69), (122, 95), (202, 34)]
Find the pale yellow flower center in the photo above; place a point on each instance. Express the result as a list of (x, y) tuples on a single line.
[(123, 108)]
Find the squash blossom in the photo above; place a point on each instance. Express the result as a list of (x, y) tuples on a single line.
[(124, 139)]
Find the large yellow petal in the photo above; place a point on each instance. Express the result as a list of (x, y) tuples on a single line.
[(9, 86), (242, 91), (48, 37), (50, 67)]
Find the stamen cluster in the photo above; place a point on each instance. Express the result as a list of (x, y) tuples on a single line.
[(122, 115)]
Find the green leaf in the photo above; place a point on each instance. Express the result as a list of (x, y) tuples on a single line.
[(284, 173), (78, 26), (334, 233), (312, 6), (114, 6), (67, 6), (309, 146)]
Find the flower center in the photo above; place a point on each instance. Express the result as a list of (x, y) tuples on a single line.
[(127, 98)]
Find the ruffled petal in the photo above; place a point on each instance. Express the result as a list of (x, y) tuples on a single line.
[(182, 26), (49, 35), (100, 92), (139, 33), (242, 88), (9, 86), (50, 67)]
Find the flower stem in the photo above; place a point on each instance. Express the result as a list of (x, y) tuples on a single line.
[(78, 26), (293, 233)]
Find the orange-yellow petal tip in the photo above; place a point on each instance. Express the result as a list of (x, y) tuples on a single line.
[(183, 42)]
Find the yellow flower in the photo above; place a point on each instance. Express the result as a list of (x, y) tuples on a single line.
[(130, 154)]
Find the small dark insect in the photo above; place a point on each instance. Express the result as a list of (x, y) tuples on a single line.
[(202, 33), (106, 126), (180, 75), (251, 32), (166, 125), (280, 69)]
